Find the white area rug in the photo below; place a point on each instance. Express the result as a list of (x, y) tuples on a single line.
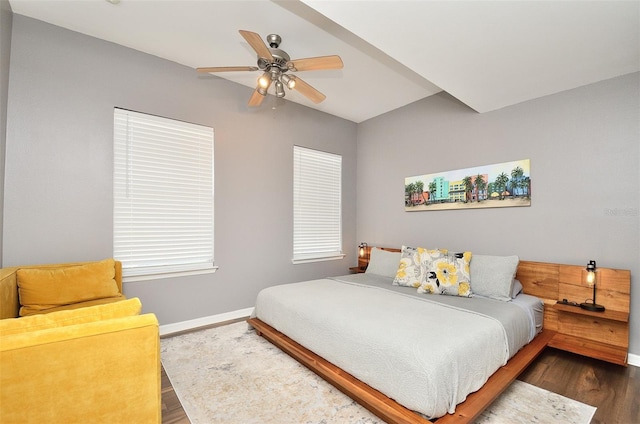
[(230, 375)]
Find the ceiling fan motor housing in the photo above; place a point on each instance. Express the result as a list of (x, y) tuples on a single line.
[(280, 59)]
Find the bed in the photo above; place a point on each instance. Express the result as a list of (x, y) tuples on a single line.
[(407, 356)]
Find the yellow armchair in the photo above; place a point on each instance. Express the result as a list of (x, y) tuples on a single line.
[(97, 364)]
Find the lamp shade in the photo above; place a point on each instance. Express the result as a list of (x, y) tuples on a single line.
[(363, 252), (279, 89), (289, 81), (265, 80)]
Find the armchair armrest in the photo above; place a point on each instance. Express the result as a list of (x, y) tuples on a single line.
[(104, 371)]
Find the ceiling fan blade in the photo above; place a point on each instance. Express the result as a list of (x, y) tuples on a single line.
[(255, 41), (227, 69), (256, 98), (316, 63), (311, 93)]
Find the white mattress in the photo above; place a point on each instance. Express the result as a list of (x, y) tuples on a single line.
[(534, 307)]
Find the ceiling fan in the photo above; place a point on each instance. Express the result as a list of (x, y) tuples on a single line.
[(276, 65)]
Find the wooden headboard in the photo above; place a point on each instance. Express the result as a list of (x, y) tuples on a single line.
[(579, 331)]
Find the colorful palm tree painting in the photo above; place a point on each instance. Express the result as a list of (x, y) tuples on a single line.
[(506, 184)]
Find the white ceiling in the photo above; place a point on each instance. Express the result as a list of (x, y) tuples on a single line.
[(487, 54)]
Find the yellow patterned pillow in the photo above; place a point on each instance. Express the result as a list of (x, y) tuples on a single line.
[(46, 288), (410, 271), (447, 273)]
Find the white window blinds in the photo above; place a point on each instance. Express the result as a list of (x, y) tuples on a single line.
[(317, 205), (163, 194)]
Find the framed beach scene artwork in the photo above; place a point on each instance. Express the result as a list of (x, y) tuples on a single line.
[(500, 185)]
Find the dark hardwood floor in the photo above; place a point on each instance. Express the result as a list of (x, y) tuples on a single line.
[(613, 389)]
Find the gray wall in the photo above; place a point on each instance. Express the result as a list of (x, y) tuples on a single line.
[(6, 20), (583, 146), (58, 196), (584, 151)]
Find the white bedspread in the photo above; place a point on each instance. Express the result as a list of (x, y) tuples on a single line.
[(425, 355)]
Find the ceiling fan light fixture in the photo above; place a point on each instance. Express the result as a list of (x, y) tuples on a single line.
[(265, 80), (279, 89), (289, 81), (274, 63)]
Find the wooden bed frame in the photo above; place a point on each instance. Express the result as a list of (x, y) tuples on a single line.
[(544, 280)]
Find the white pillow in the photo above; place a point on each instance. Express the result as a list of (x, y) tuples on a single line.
[(517, 289), (383, 262), (492, 276)]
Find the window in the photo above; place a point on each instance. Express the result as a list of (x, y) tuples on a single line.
[(317, 205), (163, 195)]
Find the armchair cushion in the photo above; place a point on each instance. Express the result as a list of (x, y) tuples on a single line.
[(41, 290), (125, 308)]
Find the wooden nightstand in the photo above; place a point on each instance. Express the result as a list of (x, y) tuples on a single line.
[(600, 335), (356, 270)]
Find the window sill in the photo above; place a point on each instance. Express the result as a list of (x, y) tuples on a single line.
[(327, 258), (163, 275)]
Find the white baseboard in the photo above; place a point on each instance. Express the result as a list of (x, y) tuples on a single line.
[(204, 321), (633, 360)]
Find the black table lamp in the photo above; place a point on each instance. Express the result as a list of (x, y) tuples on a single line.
[(591, 276)]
